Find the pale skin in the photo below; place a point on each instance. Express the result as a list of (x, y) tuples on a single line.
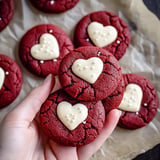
[(21, 138)]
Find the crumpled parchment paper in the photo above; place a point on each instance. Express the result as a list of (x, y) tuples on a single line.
[(142, 57)]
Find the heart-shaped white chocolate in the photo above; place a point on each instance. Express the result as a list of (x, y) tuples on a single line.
[(71, 116), (89, 70), (101, 35), (47, 49), (2, 77), (132, 98)]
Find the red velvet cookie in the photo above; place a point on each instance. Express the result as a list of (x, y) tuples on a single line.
[(6, 12), (43, 47), (71, 122), (140, 100), (54, 6), (114, 100), (10, 80), (90, 73), (103, 29)]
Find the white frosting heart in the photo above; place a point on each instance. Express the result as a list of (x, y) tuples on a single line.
[(2, 77), (132, 98), (47, 49), (71, 116), (101, 35), (89, 70)]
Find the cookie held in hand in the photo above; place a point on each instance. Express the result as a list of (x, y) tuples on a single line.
[(70, 122)]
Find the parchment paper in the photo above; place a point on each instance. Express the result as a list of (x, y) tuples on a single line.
[(142, 57)]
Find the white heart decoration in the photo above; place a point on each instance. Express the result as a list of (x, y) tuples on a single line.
[(101, 35), (47, 49), (89, 70), (71, 116), (132, 98), (2, 77)]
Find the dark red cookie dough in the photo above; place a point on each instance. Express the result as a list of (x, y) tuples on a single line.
[(6, 12), (149, 104), (54, 6), (12, 82), (85, 132), (114, 100), (106, 83), (38, 67), (118, 47)]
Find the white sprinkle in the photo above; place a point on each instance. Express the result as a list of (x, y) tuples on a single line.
[(84, 122), (51, 31), (87, 39), (7, 73), (41, 61), (98, 53), (54, 60), (118, 42), (0, 18), (145, 104), (52, 2), (137, 113)]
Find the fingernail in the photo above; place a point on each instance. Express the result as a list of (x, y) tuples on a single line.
[(48, 78), (120, 112)]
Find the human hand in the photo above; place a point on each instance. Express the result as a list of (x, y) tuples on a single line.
[(21, 137)]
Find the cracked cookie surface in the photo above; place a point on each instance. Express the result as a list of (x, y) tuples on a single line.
[(54, 6), (118, 46), (80, 89), (12, 81), (6, 12), (43, 67), (84, 133), (149, 103)]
